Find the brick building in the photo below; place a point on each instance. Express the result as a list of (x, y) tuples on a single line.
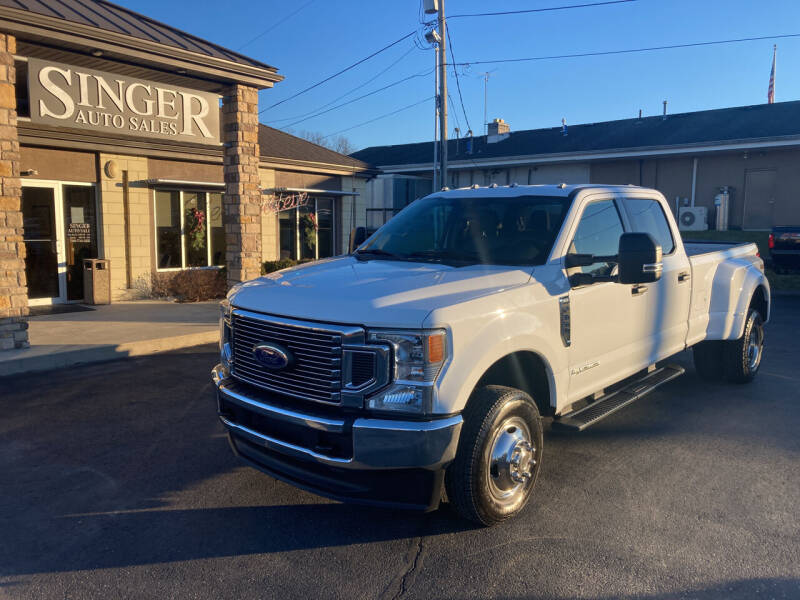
[(124, 138)]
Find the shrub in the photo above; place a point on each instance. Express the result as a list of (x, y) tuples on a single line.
[(276, 265), (191, 285)]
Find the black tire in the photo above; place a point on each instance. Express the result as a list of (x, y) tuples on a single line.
[(708, 360), (496, 418), (742, 357)]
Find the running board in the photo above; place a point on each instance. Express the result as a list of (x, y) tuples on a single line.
[(610, 403)]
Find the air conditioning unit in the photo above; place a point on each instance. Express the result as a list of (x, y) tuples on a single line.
[(692, 218)]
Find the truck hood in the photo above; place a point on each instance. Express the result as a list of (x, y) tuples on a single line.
[(375, 293)]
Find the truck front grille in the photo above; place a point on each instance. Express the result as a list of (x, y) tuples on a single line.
[(317, 370)]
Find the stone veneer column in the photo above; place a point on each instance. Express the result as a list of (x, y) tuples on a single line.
[(13, 286), (242, 200)]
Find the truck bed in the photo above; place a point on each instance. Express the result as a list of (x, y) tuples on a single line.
[(698, 247)]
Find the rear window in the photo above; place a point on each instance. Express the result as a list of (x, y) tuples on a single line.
[(647, 216)]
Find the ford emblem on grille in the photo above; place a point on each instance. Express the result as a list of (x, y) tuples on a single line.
[(273, 356)]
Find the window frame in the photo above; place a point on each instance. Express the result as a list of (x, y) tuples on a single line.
[(182, 227), (625, 199), (621, 213), (297, 241)]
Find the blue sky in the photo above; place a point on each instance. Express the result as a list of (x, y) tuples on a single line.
[(325, 36)]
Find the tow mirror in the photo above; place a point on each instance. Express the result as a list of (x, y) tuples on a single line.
[(357, 237), (639, 258)]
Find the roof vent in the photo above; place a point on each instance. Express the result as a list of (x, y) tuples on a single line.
[(498, 130)]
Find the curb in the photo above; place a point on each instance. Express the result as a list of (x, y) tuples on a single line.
[(75, 355)]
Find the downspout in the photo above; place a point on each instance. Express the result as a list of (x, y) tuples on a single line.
[(694, 179)]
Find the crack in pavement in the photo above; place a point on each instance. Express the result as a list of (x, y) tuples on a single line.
[(409, 571)]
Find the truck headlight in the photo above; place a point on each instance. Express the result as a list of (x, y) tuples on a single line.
[(225, 350), (418, 360)]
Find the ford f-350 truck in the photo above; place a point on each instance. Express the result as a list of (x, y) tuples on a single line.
[(419, 367)]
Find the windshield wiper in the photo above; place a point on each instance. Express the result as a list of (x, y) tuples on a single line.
[(445, 256), (375, 253)]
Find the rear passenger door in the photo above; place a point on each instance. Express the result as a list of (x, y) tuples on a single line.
[(667, 299)]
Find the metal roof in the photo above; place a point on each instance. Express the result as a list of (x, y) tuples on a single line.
[(112, 17), (761, 122)]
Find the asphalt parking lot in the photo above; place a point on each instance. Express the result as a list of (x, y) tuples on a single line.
[(117, 481)]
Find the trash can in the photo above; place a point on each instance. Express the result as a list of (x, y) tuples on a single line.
[(96, 281)]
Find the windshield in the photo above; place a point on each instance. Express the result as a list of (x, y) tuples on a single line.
[(459, 231)]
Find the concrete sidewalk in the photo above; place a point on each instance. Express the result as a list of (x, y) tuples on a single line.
[(110, 332)]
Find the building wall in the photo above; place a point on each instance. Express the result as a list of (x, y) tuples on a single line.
[(59, 165), (269, 220), (132, 256), (353, 209), (673, 177)]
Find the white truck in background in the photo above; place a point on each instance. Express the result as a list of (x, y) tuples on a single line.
[(424, 360)]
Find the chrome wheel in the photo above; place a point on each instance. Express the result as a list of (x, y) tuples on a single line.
[(512, 459), (755, 343)]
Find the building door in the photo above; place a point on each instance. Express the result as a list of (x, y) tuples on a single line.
[(759, 199), (60, 230), (80, 227), (40, 236)]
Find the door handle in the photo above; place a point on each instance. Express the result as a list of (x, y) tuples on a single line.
[(685, 276), (638, 290)]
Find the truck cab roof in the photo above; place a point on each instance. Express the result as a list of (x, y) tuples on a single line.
[(512, 190)]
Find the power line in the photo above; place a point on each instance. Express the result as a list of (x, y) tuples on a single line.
[(386, 87), (311, 113), (538, 10), (458, 81), (355, 64), (630, 50), (274, 25), (394, 112)]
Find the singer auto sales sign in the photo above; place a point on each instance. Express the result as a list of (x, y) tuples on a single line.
[(70, 96)]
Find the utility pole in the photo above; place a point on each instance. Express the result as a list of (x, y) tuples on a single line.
[(443, 95), (485, 102)]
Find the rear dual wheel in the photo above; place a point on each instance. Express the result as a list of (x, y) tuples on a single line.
[(737, 361), (499, 455)]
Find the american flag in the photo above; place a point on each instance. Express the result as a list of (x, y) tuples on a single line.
[(771, 89)]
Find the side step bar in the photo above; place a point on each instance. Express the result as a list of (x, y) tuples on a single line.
[(610, 403)]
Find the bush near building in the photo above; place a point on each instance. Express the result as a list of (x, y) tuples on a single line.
[(190, 285), (276, 265)]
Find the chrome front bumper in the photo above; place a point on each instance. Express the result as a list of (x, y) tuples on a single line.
[(376, 443)]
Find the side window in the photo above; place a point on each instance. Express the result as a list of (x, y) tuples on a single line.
[(647, 216), (598, 233)]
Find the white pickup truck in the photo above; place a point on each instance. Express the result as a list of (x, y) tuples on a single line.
[(419, 367)]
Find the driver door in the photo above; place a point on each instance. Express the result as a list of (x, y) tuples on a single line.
[(606, 317)]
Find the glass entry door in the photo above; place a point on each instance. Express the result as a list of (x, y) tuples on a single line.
[(41, 243), (80, 228), (60, 230)]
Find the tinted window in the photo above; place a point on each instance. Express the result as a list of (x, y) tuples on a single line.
[(497, 230), (647, 216), (598, 233)]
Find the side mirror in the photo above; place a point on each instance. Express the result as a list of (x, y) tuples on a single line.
[(579, 260), (357, 237), (639, 258)]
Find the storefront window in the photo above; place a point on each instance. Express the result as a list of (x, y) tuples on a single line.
[(306, 233), (168, 229), (189, 230)]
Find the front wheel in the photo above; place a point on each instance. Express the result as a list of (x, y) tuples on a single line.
[(499, 455)]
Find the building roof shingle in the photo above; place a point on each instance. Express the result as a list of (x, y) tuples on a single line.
[(112, 17), (757, 122), (274, 143)]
